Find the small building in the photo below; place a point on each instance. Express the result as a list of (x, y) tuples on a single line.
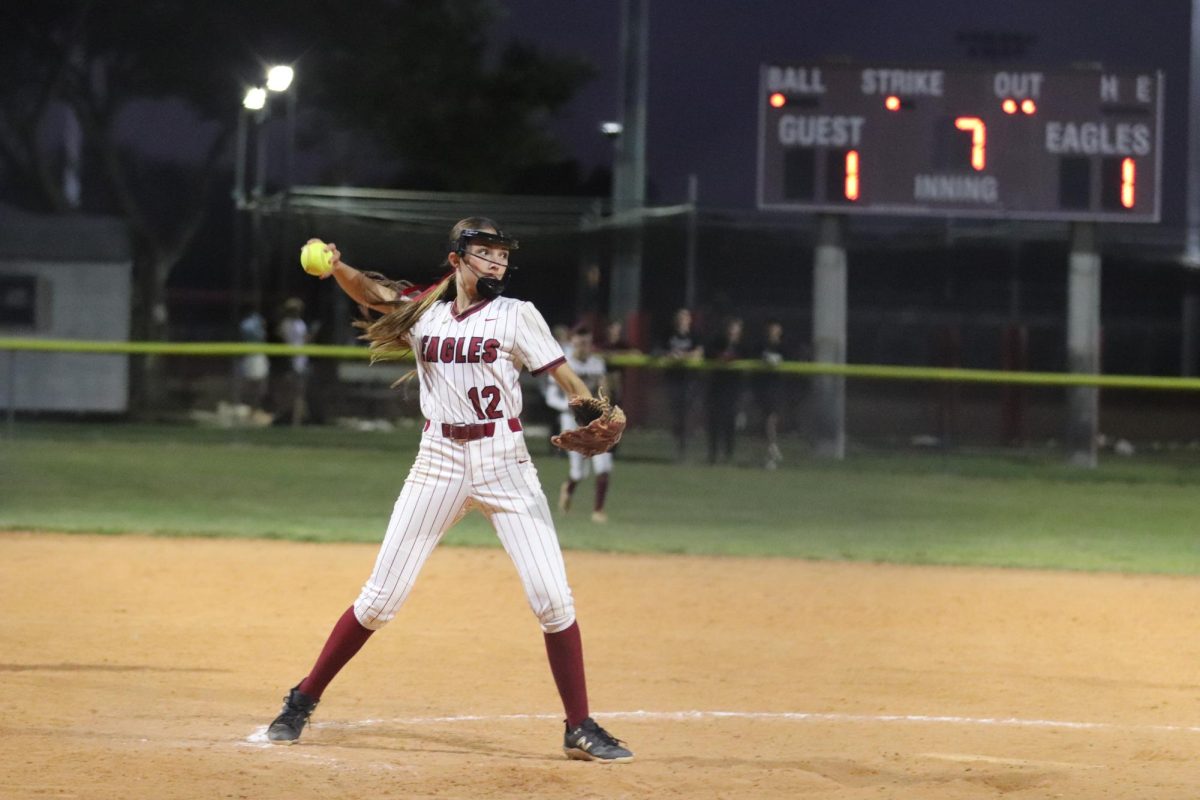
[(64, 277)]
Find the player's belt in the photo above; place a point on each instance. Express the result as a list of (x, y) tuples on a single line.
[(471, 432)]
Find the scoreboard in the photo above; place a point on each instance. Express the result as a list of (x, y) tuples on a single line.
[(961, 141)]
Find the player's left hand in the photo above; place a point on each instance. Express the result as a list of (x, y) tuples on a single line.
[(600, 426)]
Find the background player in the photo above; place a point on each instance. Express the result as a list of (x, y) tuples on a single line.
[(591, 369), (470, 344)]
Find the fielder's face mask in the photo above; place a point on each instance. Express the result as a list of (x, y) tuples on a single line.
[(489, 287)]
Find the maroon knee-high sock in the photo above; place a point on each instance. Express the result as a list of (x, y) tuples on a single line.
[(601, 490), (565, 651), (347, 637)]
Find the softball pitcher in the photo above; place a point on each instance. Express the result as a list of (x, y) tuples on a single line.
[(470, 345)]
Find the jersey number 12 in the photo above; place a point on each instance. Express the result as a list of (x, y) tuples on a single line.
[(491, 395)]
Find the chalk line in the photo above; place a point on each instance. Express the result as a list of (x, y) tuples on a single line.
[(259, 736)]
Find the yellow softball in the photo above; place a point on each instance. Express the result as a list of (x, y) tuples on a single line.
[(316, 258)]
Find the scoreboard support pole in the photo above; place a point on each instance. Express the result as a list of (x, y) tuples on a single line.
[(1190, 313), (1083, 343), (829, 337)]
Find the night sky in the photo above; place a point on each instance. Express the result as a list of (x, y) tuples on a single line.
[(703, 119), (704, 59)]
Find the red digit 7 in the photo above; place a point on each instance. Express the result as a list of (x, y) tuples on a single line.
[(978, 139)]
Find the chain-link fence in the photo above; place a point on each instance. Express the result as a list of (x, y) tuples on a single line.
[(933, 294), (747, 412)]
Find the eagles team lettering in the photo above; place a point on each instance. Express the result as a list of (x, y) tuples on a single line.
[(459, 349), (1099, 138)]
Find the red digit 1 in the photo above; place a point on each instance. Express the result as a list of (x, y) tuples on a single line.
[(1128, 183), (978, 139), (473, 393), (851, 188)]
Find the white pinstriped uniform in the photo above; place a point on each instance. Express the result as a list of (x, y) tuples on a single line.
[(469, 366), (591, 371)]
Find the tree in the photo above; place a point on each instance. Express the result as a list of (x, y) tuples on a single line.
[(420, 78), (98, 59), (36, 70), (411, 73)]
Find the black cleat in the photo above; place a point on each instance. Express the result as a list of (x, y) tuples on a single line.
[(297, 708), (587, 741)]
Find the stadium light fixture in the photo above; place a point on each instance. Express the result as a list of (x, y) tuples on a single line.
[(279, 78), (255, 98)]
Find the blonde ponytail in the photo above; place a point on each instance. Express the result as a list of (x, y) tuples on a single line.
[(388, 335)]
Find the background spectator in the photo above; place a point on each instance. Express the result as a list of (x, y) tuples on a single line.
[(767, 389), (293, 330), (680, 344), (724, 391), (253, 369)]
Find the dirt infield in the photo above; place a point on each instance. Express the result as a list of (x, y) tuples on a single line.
[(136, 667)]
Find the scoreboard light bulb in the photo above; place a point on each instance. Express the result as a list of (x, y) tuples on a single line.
[(1028, 106), (777, 100), (892, 103), (1009, 105)]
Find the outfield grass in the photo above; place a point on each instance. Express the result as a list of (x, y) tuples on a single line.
[(332, 485)]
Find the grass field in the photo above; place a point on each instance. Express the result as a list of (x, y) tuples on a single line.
[(324, 484)]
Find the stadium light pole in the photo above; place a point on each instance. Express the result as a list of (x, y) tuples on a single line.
[(253, 102), (281, 80), (257, 102), (689, 284), (629, 171), (1190, 307)]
